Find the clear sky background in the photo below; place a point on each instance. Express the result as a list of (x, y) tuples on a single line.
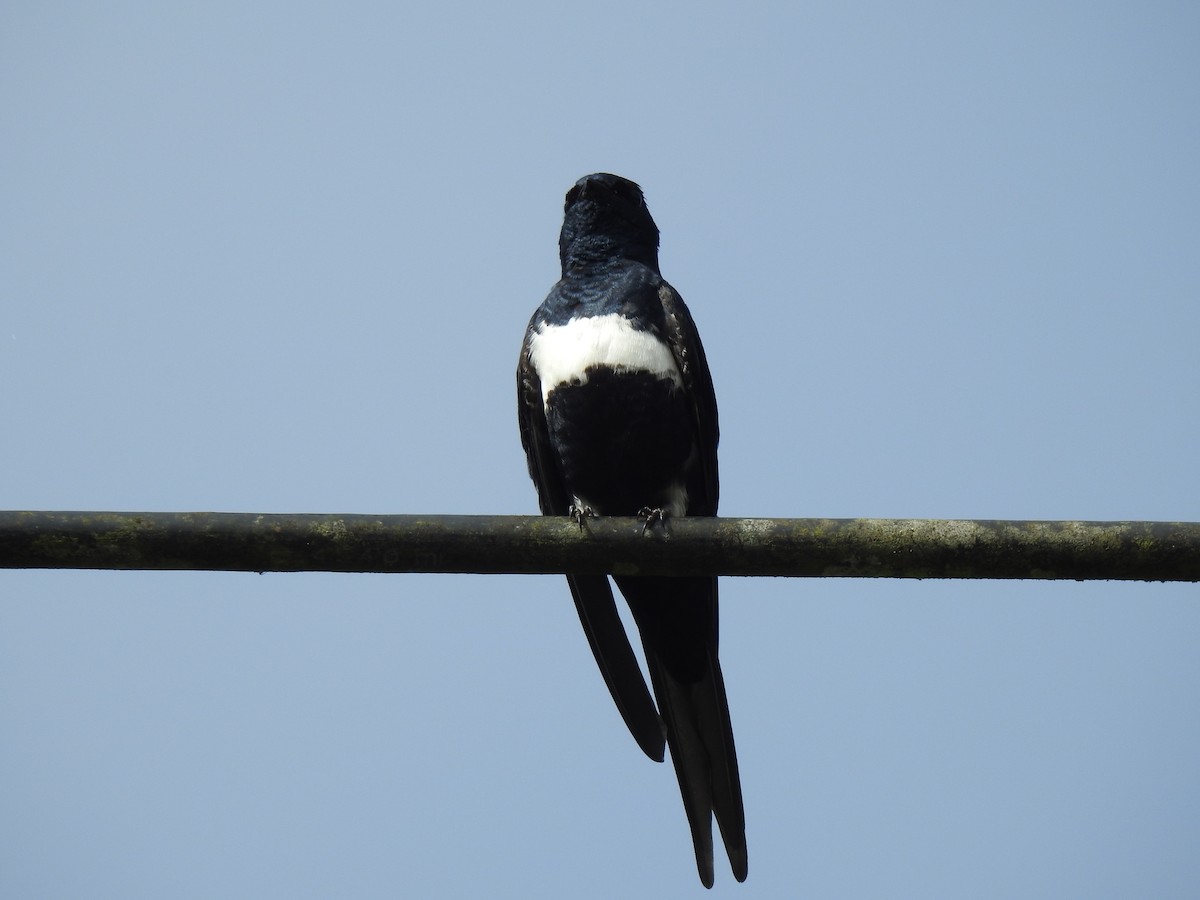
[(279, 257)]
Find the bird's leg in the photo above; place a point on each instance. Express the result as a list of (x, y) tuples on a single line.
[(579, 513), (650, 515)]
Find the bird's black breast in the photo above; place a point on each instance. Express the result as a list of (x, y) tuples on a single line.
[(623, 440)]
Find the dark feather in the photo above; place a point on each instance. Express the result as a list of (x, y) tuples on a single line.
[(624, 436), (592, 593)]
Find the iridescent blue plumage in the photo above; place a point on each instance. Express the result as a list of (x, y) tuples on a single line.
[(618, 415)]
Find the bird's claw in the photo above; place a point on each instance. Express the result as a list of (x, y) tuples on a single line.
[(579, 513), (650, 515)]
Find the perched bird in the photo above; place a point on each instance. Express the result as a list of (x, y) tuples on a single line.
[(618, 418)]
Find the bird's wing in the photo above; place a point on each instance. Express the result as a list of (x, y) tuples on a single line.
[(684, 340), (592, 593)]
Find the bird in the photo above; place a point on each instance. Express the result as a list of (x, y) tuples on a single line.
[(618, 417)]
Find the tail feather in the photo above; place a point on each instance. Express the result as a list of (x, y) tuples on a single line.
[(610, 646), (699, 734), (727, 785), (677, 618)]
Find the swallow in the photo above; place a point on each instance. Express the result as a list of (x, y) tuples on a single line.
[(618, 418)]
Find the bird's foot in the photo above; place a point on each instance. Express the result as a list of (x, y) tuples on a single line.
[(650, 515), (579, 513)]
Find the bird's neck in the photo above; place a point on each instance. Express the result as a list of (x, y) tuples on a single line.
[(596, 252)]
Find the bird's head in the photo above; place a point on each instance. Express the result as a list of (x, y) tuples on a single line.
[(605, 218)]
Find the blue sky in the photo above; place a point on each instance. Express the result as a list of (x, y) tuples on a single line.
[(279, 257)]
